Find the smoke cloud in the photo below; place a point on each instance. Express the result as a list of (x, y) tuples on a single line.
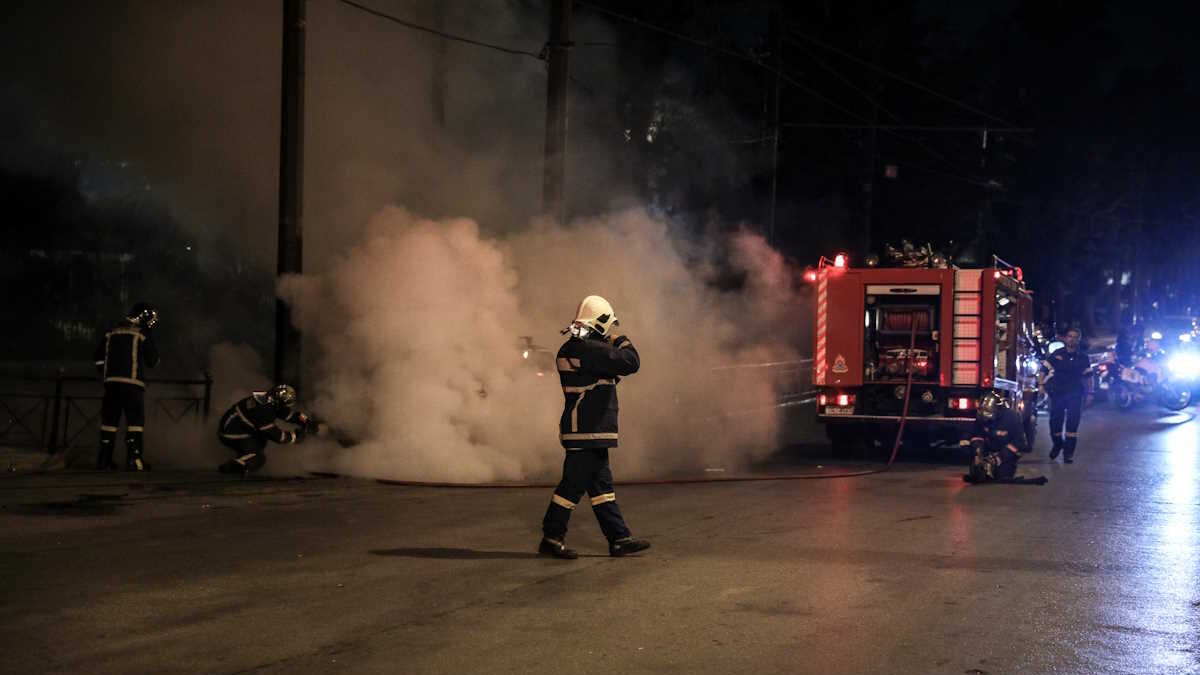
[(419, 355)]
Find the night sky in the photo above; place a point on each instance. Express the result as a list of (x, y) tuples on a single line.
[(152, 128)]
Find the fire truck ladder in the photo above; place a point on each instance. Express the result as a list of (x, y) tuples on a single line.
[(968, 320)]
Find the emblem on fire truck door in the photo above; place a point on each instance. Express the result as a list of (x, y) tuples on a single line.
[(839, 364)]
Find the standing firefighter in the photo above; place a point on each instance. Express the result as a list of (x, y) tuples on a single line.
[(590, 364), (122, 357), (247, 426), (1062, 375)]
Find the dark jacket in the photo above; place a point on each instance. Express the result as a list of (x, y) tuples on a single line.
[(125, 352), (1065, 371), (254, 417), (589, 371), (1004, 432)]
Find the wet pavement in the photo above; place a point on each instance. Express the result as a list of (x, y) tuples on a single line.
[(910, 571)]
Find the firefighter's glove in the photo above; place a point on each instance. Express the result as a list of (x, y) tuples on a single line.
[(619, 340)]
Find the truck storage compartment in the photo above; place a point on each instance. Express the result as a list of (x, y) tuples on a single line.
[(889, 330)]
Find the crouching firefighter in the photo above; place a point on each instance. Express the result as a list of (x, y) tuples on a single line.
[(997, 440), (590, 364), (247, 426), (122, 358)]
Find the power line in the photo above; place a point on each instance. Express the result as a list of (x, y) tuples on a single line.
[(846, 81), (966, 179), (749, 59), (443, 34), (900, 78), (909, 127)]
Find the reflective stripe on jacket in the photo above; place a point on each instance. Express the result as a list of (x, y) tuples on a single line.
[(589, 371), (125, 352)]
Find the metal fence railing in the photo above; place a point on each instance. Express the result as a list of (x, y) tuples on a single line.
[(57, 413)]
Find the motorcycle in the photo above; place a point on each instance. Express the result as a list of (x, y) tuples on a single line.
[(1159, 378), (1104, 374)]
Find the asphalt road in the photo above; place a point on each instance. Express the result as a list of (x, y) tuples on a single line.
[(911, 571)]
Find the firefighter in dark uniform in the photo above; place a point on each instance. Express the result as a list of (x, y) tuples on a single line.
[(997, 441), (1066, 376), (247, 426), (122, 358), (590, 364)]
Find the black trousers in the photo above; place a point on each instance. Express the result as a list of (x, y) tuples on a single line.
[(585, 470), (1068, 407), (249, 454), (130, 400)]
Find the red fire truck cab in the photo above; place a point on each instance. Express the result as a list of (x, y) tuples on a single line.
[(961, 331)]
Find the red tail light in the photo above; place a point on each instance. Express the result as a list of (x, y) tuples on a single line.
[(823, 400), (810, 275), (839, 260), (843, 399), (962, 403)]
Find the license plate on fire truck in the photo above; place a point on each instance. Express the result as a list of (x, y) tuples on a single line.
[(839, 410)]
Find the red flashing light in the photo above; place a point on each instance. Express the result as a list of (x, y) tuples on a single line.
[(1020, 275), (823, 400), (810, 275), (839, 260), (996, 274), (843, 399)]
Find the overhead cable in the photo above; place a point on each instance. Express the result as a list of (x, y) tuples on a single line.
[(439, 33)]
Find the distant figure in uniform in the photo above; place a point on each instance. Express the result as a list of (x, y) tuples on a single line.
[(122, 358), (997, 441), (590, 364), (247, 426), (1062, 376)]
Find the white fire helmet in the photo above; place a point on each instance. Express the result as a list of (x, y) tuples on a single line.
[(595, 315)]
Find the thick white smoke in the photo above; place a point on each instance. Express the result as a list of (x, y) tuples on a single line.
[(418, 332)]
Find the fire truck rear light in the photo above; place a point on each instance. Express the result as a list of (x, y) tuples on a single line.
[(843, 399), (961, 403), (823, 400), (839, 260), (996, 274), (810, 275)]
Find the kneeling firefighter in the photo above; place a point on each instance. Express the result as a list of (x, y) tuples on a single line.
[(247, 426), (590, 364), (997, 441)]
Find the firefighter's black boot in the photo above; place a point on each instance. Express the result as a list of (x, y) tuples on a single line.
[(627, 546), (1055, 450), (104, 460), (557, 549), (133, 455)]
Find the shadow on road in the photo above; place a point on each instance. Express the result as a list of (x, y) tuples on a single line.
[(455, 553)]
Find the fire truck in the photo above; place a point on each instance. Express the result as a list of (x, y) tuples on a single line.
[(932, 333)]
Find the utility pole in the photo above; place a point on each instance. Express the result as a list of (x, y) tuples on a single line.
[(775, 31), (291, 175), (440, 67), (558, 50)]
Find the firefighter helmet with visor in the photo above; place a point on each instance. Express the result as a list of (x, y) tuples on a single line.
[(595, 315)]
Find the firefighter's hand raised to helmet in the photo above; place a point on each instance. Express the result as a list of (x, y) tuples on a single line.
[(619, 340)]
